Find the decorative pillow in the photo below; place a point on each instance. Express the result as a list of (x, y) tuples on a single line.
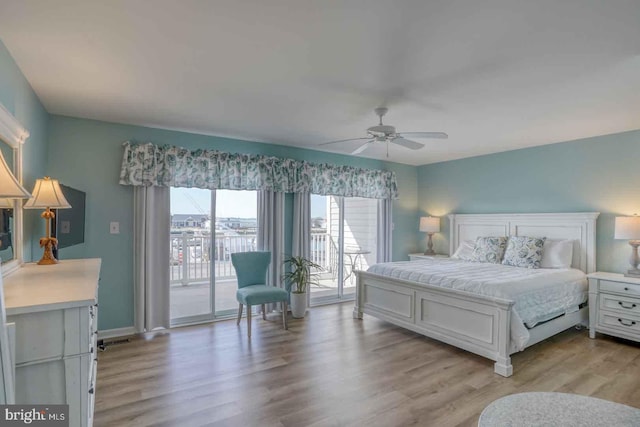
[(557, 254), (524, 251), (489, 249), (464, 251)]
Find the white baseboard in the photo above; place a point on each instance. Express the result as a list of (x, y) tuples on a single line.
[(116, 333)]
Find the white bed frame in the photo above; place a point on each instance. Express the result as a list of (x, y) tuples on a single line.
[(477, 323)]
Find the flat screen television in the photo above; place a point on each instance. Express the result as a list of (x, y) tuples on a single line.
[(68, 225)]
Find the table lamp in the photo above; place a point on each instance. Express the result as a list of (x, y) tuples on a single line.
[(47, 194), (628, 228), (430, 225)]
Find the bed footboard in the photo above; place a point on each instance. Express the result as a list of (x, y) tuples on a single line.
[(474, 323)]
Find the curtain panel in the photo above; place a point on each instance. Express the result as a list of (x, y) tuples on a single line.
[(271, 235), (384, 230), (151, 224), (169, 166)]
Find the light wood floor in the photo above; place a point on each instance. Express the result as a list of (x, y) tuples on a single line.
[(332, 370)]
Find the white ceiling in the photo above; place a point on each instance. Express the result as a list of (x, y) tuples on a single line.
[(494, 75)]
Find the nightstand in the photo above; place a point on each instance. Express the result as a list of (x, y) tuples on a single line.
[(415, 257), (614, 305)]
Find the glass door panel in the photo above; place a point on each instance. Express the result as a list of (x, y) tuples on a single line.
[(325, 246), (360, 238), (235, 231), (189, 265), (343, 239), (202, 279)]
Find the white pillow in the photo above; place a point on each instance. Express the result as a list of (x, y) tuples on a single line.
[(465, 250), (557, 254)]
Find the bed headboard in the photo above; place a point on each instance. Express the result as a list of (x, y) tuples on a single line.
[(579, 227)]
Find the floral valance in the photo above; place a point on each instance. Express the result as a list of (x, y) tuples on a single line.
[(149, 164)]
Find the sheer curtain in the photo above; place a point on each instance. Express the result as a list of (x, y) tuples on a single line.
[(301, 244), (151, 252), (385, 226), (271, 233)]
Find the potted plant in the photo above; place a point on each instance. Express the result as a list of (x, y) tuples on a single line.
[(299, 277)]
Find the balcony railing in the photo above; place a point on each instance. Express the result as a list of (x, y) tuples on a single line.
[(191, 256)]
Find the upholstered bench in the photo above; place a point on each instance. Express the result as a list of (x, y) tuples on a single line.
[(557, 409)]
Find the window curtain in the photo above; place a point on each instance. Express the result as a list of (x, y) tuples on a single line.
[(151, 225), (301, 244), (168, 166), (271, 234), (385, 227)]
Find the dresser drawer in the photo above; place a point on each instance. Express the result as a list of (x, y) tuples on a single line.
[(629, 324), (619, 287), (620, 304), (51, 334)]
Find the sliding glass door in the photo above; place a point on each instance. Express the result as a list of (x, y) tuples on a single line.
[(235, 231), (190, 288), (343, 240), (359, 224), (202, 279)]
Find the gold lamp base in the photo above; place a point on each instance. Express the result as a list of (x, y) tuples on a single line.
[(47, 257), (48, 243)]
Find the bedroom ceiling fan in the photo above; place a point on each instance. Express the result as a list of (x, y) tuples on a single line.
[(386, 133)]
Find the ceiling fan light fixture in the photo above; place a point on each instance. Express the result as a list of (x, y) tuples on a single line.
[(386, 133), (382, 130), (380, 112)]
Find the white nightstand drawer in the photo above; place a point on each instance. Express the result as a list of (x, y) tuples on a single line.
[(619, 304), (630, 324), (619, 287)]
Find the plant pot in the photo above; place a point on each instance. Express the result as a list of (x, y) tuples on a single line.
[(298, 304)]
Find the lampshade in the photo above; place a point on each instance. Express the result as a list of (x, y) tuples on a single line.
[(430, 224), (10, 188), (6, 203), (627, 227), (47, 194)]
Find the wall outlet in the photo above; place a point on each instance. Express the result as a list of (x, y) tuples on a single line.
[(65, 227), (114, 227)]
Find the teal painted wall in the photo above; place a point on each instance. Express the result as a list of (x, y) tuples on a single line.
[(86, 154), (18, 97), (597, 174)]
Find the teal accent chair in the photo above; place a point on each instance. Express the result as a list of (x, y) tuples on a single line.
[(251, 270)]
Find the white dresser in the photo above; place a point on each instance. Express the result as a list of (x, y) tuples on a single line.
[(54, 308), (614, 305)]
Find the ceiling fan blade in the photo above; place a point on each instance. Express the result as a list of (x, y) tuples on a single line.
[(407, 143), (345, 140), (436, 135), (362, 147)]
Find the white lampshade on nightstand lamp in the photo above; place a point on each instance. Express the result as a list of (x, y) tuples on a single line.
[(430, 225), (46, 195), (628, 228)]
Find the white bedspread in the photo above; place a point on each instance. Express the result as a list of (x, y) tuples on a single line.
[(539, 294)]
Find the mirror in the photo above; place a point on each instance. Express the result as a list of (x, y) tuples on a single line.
[(12, 136), (7, 220)]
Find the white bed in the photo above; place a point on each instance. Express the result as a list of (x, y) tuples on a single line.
[(476, 306)]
